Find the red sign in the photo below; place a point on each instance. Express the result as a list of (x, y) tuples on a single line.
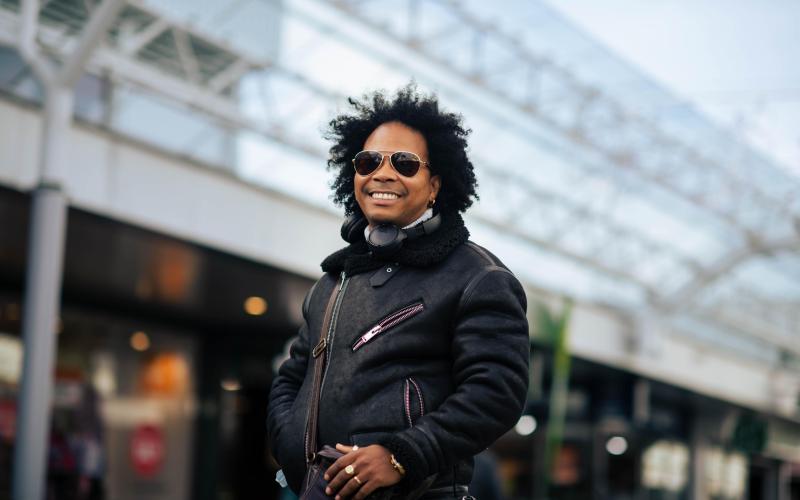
[(8, 420), (147, 450)]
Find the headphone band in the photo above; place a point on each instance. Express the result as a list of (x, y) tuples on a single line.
[(385, 239), (427, 227)]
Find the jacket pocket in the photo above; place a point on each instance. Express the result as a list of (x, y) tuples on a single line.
[(388, 322), (413, 402)]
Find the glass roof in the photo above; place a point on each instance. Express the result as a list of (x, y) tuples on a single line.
[(595, 181)]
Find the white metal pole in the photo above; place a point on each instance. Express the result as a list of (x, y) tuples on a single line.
[(41, 304), (46, 248)]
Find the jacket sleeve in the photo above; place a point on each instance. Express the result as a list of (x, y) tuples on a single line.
[(287, 384), (490, 349)]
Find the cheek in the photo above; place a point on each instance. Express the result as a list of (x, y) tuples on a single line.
[(357, 187)]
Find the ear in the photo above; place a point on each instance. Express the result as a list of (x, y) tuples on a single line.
[(436, 184)]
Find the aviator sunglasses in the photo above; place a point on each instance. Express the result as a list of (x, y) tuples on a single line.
[(405, 163)]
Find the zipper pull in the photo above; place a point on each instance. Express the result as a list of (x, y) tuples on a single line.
[(323, 343), (341, 280), (367, 336)]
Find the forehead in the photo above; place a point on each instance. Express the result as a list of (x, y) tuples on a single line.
[(396, 136)]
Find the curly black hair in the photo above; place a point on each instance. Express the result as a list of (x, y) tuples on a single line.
[(443, 132)]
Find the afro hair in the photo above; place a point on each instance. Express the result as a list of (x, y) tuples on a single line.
[(444, 134)]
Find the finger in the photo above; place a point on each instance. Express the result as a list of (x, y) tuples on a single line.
[(338, 465), (339, 480), (367, 488), (350, 487), (344, 448)]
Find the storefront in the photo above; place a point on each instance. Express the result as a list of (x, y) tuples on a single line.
[(628, 437), (165, 357)]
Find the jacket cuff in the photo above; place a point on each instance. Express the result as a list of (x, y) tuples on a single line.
[(409, 459)]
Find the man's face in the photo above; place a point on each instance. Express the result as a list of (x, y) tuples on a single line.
[(386, 196)]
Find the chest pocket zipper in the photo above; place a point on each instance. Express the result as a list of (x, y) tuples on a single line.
[(411, 391), (388, 322)]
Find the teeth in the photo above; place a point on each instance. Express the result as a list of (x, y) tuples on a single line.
[(385, 196)]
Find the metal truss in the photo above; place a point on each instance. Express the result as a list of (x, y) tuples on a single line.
[(169, 58), (734, 183), (718, 176), (714, 177), (131, 59), (710, 275), (574, 231), (742, 310), (142, 49)]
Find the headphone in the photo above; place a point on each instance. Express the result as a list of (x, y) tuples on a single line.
[(386, 239)]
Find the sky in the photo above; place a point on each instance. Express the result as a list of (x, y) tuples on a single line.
[(735, 60)]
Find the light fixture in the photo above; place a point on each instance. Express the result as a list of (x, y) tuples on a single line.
[(617, 445), (230, 384), (526, 425), (140, 341), (103, 377), (255, 306)]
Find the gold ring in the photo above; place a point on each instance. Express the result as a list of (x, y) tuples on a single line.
[(350, 469), (357, 480), (355, 447)]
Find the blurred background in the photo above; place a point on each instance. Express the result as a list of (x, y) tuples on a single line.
[(164, 207)]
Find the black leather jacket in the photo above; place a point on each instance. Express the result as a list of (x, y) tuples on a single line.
[(428, 356)]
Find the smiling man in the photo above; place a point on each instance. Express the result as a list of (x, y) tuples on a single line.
[(413, 356)]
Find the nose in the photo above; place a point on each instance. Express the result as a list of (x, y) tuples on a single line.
[(385, 171)]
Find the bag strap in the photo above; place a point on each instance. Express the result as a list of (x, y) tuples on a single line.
[(320, 355)]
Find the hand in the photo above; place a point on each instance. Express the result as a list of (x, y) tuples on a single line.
[(371, 465)]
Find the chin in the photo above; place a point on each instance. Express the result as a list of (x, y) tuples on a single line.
[(378, 221), (375, 220)]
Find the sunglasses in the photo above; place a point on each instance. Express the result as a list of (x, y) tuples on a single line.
[(405, 163)]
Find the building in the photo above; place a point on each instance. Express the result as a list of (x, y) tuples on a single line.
[(197, 216)]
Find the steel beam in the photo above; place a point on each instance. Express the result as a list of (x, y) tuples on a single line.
[(90, 37), (26, 42), (684, 296), (136, 41)]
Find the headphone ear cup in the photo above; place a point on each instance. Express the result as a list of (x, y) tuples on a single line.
[(353, 228), (386, 239)]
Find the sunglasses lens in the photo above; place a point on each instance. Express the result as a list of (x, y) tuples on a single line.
[(406, 164), (366, 162)]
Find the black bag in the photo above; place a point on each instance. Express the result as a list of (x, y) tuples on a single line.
[(314, 482)]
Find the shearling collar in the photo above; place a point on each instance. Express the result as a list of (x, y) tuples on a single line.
[(421, 252)]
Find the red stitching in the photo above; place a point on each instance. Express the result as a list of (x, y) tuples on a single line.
[(401, 315), (419, 395), (390, 321), (407, 397)]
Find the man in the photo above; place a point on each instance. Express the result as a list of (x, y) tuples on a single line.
[(426, 340)]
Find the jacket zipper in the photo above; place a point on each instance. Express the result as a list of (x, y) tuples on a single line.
[(411, 383), (388, 322), (332, 329)]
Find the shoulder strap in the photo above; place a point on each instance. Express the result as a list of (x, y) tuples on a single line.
[(320, 355)]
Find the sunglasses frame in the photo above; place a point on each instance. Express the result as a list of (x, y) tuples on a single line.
[(384, 154)]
